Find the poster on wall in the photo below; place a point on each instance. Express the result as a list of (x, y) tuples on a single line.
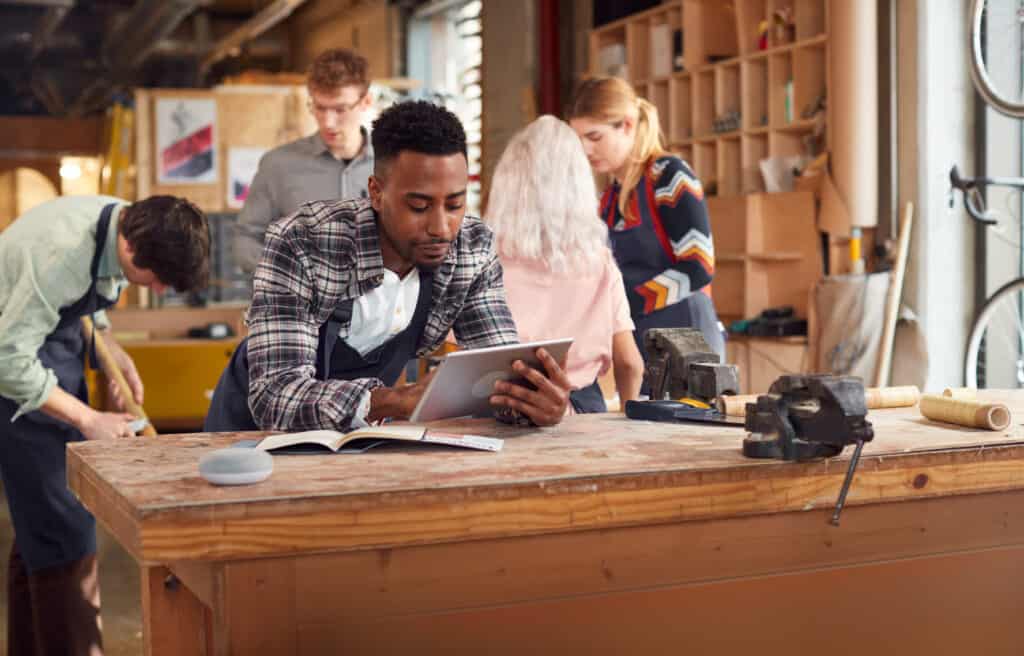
[(186, 140), (242, 165)]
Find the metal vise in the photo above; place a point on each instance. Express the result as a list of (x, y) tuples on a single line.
[(807, 417), (681, 364)]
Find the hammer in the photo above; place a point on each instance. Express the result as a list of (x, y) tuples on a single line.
[(113, 372)]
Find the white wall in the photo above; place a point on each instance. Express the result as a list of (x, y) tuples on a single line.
[(936, 126)]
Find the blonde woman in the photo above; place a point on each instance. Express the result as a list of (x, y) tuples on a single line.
[(560, 277), (654, 210)]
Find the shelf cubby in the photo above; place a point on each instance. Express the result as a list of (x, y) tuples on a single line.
[(705, 163), (809, 66), (780, 80), (729, 172), (658, 95), (754, 149), (727, 89), (680, 122), (703, 103), (809, 18), (753, 92)]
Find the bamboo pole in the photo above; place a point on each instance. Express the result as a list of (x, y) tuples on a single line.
[(113, 372)]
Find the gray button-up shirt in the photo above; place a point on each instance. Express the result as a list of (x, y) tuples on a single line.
[(292, 174)]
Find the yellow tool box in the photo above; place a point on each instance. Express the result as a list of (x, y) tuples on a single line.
[(179, 376)]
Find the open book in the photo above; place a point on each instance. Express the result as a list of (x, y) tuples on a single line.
[(361, 439)]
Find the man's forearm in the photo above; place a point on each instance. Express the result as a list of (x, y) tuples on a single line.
[(67, 408)]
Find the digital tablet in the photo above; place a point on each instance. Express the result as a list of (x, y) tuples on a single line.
[(464, 380)]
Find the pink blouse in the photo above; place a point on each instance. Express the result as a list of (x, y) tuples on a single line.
[(588, 306)]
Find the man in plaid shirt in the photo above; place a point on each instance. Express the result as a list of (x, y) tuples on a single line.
[(349, 291)]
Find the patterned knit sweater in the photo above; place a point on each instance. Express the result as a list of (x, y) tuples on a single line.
[(663, 245)]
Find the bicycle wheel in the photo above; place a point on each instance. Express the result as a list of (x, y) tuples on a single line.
[(997, 53), (995, 348)]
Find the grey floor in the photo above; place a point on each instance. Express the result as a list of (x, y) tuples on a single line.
[(119, 592)]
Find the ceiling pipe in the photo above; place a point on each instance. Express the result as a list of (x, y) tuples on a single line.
[(264, 47), (128, 44), (132, 40), (267, 18), (48, 25), (65, 4)]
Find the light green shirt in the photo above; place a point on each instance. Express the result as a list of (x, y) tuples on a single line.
[(45, 257)]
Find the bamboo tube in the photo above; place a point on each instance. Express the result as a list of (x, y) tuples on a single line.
[(962, 393), (965, 412), (875, 398), (110, 368), (735, 405)]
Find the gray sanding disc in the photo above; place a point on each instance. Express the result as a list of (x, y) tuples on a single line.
[(236, 466)]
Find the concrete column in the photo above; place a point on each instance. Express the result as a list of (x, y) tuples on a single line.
[(936, 123)]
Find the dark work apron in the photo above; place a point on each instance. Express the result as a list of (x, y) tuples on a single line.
[(588, 399), (50, 526), (335, 360), (635, 249)]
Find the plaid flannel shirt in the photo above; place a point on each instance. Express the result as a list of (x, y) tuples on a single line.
[(328, 252)]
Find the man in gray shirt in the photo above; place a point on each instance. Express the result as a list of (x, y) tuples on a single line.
[(333, 164)]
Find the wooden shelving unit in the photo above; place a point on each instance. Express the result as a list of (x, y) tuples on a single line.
[(767, 245), (722, 71)]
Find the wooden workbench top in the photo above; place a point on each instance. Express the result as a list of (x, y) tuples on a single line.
[(592, 471)]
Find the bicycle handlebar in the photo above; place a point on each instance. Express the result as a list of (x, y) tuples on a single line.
[(972, 188)]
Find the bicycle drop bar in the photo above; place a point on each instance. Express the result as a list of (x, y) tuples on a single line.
[(972, 189)]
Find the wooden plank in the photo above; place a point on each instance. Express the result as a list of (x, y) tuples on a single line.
[(260, 607), (953, 604), (919, 567), (117, 516), (204, 580), (167, 323), (360, 521), (489, 573), (174, 621), (600, 472), (59, 136)]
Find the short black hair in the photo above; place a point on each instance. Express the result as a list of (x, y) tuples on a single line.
[(419, 126), (170, 236)]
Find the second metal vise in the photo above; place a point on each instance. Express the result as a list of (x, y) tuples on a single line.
[(680, 364)]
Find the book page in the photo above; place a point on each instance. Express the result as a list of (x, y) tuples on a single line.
[(465, 441), (328, 438), (386, 432)]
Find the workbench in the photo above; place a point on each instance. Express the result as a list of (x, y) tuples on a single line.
[(602, 535)]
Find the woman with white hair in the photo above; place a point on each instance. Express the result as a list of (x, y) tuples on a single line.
[(560, 277)]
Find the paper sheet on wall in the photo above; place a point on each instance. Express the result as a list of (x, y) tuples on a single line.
[(242, 166), (186, 141)]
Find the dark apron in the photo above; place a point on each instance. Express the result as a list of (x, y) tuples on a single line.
[(635, 249), (588, 399), (50, 526), (335, 360)]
